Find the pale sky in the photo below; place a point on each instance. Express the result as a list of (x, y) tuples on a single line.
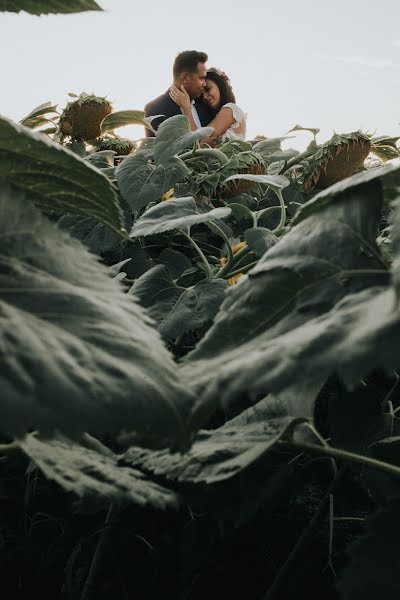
[(328, 64)]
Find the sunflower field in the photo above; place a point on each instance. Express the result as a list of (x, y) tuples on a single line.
[(200, 354)]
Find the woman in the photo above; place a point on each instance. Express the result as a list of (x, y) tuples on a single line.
[(229, 120)]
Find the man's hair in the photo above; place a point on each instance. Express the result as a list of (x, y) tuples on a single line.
[(225, 89), (188, 62)]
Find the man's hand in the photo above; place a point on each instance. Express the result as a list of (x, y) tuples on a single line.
[(180, 97)]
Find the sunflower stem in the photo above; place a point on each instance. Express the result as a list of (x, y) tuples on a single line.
[(207, 265)]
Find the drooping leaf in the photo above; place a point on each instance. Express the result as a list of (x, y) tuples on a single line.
[(174, 135), (176, 309), (45, 7), (174, 214), (219, 454), (269, 146), (276, 182), (88, 472), (55, 178), (77, 353), (373, 570), (313, 130), (42, 109), (121, 119)]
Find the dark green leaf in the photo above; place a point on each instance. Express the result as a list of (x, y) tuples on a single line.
[(259, 240), (174, 214), (132, 175), (88, 472), (176, 262), (96, 236), (222, 453), (45, 7), (55, 178), (177, 310), (303, 312), (77, 354), (151, 188)]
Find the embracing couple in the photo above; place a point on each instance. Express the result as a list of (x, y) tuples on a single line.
[(204, 96)]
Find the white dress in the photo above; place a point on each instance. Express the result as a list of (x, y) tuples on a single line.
[(240, 118)]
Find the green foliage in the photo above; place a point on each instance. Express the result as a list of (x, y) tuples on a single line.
[(80, 355), (56, 179), (222, 453), (174, 214), (174, 136), (87, 471), (243, 326), (45, 7), (176, 309)]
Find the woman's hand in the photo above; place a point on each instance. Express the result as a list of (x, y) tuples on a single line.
[(180, 97)]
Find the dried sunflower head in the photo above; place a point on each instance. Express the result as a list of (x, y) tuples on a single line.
[(81, 118)]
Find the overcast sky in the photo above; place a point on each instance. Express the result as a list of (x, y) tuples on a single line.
[(333, 64)]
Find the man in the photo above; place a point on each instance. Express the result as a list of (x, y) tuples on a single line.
[(190, 71)]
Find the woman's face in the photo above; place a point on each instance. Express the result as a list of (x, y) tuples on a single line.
[(212, 94)]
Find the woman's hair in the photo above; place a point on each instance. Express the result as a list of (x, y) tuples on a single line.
[(224, 86)]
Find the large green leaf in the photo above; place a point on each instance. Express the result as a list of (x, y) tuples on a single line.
[(77, 354), (174, 135), (96, 236), (176, 309), (88, 472), (174, 214), (219, 454), (140, 183), (306, 310), (374, 568), (132, 175), (56, 178), (45, 7)]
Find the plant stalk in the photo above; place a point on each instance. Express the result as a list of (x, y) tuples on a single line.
[(372, 463), (210, 273)]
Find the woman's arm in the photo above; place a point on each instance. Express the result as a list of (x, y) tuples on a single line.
[(222, 121), (182, 99)]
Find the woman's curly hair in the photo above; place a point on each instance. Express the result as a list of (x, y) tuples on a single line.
[(224, 86)]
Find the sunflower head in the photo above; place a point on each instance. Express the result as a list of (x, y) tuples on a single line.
[(81, 118)]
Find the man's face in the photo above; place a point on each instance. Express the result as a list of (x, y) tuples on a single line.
[(194, 82)]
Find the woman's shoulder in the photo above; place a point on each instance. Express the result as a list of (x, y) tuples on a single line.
[(238, 113)]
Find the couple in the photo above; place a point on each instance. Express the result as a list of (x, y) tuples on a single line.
[(204, 96)]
